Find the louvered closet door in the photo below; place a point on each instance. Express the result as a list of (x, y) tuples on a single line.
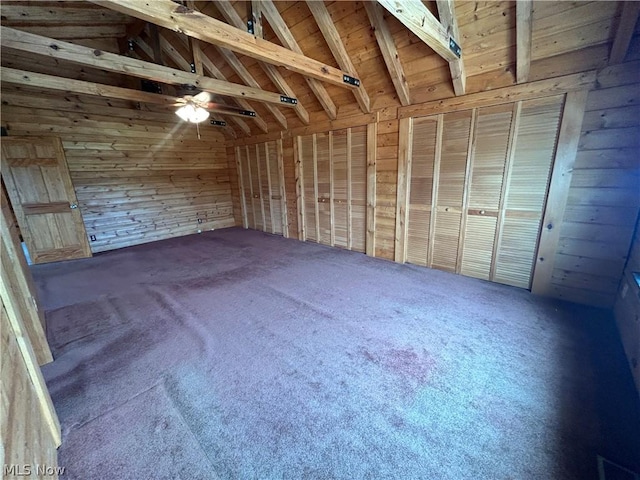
[(339, 187), (261, 179), (493, 125), (534, 146), (358, 183), (423, 149), (456, 128), (478, 181), (333, 187)]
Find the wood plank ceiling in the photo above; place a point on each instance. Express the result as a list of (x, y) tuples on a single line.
[(302, 50)]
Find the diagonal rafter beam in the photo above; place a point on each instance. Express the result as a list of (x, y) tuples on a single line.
[(179, 18), (524, 29), (389, 52), (283, 33), (626, 25), (28, 42), (417, 18), (447, 14), (244, 74), (332, 37), (237, 66), (231, 16)]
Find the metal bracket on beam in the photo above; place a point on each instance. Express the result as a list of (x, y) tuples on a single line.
[(351, 80), (454, 47), (250, 28), (247, 113), (218, 123), (193, 67), (130, 45), (291, 100)]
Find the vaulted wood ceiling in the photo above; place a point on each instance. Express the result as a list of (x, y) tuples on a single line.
[(383, 44)]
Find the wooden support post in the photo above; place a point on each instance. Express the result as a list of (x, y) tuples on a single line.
[(260, 191), (404, 175), (283, 189), (297, 153), (315, 186), (331, 196), (266, 162), (243, 198), (524, 29), (568, 140), (471, 151), (372, 147), (349, 206), (434, 189)]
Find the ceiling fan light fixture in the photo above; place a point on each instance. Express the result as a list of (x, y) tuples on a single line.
[(192, 113)]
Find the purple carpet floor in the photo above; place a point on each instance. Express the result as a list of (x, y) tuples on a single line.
[(239, 355)]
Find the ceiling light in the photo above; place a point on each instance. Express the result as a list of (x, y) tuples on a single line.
[(191, 113)]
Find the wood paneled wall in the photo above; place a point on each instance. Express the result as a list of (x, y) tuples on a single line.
[(29, 426), (602, 192), (138, 176), (604, 195)]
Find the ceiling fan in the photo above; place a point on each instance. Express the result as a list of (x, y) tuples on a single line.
[(195, 105)]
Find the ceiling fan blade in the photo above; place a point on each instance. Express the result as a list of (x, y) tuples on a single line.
[(202, 97), (229, 110)]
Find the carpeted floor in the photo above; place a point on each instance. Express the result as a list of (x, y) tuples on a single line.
[(239, 355)]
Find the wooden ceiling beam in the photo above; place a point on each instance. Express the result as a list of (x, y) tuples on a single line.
[(332, 37), (447, 14), (626, 26), (231, 16), (524, 31), (179, 18), (50, 82), (283, 33), (28, 42), (416, 17), (389, 52)]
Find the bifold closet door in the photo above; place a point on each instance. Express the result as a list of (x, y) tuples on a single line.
[(261, 179), (423, 160), (332, 189), (449, 195), (526, 188), (477, 183), (486, 172)]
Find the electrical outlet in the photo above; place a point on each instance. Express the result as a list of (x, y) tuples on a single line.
[(93, 238)]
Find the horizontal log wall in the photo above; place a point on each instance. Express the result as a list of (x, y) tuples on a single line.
[(139, 176), (604, 196)]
